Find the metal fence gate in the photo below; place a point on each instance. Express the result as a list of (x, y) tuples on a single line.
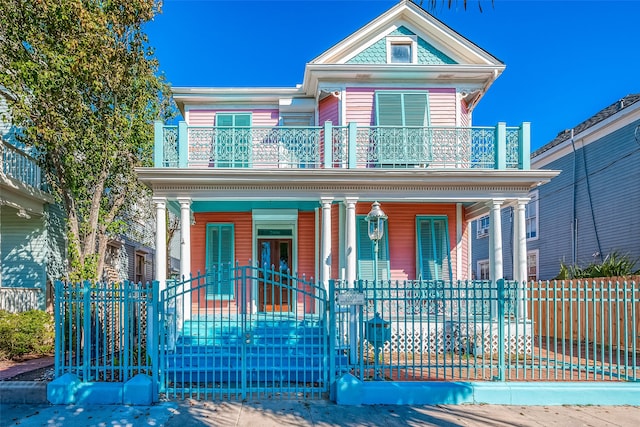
[(243, 333)]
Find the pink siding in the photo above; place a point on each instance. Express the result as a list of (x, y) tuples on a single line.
[(402, 233), (258, 117), (328, 111), (361, 109)]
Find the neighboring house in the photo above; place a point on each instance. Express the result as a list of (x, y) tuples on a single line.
[(31, 226), (592, 208), (265, 174)]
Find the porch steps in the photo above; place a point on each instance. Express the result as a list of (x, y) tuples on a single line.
[(255, 350)]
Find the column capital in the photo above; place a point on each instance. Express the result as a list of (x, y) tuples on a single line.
[(326, 201), (184, 200), (160, 202), (523, 201), (350, 200)]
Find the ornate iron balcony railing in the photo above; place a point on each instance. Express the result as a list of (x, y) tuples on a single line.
[(351, 146)]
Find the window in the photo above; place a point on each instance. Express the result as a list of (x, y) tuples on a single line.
[(233, 140), (483, 269), (434, 260), (401, 138), (532, 265), (219, 260), (531, 216), (366, 253), (482, 227), (402, 50), (140, 267)]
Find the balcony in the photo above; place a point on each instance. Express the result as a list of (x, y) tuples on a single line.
[(351, 146), (18, 165)]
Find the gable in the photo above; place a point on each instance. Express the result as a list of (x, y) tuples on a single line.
[(377, 53)]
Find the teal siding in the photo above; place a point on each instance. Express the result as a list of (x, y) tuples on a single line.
[(377, 53), (23, 249)]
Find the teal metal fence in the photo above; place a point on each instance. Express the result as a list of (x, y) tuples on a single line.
[(352, 146), (254, 333), (101, 330), (481, 331)]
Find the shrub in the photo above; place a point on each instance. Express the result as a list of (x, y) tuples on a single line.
[(613, 265), (29, 332)]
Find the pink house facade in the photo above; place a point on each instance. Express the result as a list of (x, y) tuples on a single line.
[(287, 175)]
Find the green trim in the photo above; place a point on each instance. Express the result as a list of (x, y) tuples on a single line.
[(407, 102), (233, 140)]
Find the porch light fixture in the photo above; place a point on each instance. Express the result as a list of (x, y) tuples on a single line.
[(375, 221)]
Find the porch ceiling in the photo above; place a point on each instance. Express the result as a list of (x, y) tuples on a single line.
[(459, 185)]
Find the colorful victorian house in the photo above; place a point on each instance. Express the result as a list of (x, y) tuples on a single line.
[(265, 176)]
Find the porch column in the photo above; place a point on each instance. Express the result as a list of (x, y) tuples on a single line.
[(325, 249), (496, 271), (520, 254), (161, 241), (350, 246), (185, 254)]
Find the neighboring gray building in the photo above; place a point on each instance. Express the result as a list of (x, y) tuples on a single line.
[(588, 211)]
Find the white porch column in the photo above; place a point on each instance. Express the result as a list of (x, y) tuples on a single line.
[(520, 254), (185, 254), (185, 237), (161, 241), (496, 269), (325, 249), (350, 246)]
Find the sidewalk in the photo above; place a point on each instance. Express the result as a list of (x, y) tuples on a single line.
[(313, 413)]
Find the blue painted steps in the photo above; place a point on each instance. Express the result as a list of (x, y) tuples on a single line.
[(233, 350)]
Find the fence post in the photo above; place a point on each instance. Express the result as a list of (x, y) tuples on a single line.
[(332, 340), (59, 325), (153, 349), (328, 145), (501, 337), (352, 139), (183, 145), (500, 150), (86, 329), (126, 304)]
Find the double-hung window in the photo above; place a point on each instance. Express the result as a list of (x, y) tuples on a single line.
[(434, 258), (401, 137), (233, 140), (531, 216), (366, 253), (219, 260)]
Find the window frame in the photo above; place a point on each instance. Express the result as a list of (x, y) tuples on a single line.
[(536, 253), (419, 255), (482, 231), (479, 264), (411, 40), (536, 218), (209, 262)]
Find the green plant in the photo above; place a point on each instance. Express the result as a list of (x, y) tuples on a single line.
[(29, 332), (614, 265)]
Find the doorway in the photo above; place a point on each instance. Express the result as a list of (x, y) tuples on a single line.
[(274, 288)]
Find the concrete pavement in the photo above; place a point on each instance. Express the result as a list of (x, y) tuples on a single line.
[(313, 413)]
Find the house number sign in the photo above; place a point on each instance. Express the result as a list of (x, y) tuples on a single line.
[(350, 298)]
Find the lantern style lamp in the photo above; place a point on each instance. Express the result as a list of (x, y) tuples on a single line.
[(375, 220)]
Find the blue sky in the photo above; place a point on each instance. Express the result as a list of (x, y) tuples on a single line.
[(566, 60)]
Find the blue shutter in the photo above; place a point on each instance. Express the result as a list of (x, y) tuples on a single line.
[(434, 255), (219, 261), (366, 253)]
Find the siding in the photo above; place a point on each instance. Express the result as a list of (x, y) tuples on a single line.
[(328, 110), (401, 227), (361, 108), (23, 250), (56, 242), (259, 117), (306, 245)]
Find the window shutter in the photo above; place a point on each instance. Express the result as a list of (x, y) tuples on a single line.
[(415, 109), (366, 253), (389, 109), (434, 255), (220, 260), (224, 120)]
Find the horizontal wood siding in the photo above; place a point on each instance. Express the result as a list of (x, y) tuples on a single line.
[(306, 254), (361, 108), (402, 233), (259, 117), (328, 111)]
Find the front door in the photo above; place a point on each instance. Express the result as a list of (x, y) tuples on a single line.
[(275, 262)]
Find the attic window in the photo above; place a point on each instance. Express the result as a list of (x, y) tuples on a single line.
[(402, 50)]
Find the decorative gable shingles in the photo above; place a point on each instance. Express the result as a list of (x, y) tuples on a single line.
[(377, 53)]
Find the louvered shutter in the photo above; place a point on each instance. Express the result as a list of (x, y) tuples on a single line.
[(434, 253), (389, 109), (220, 261), (415, 108), (366, 253)]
